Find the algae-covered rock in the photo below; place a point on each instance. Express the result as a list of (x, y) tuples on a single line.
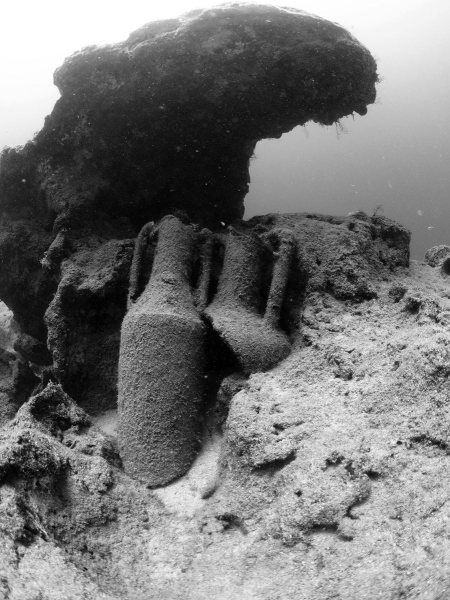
[(83, 322), (435, 255)]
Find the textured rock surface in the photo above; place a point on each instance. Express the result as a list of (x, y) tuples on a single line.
[(164, 121), (53, 483), (436, 255), (330, 481), (84, 319), (141, 125)]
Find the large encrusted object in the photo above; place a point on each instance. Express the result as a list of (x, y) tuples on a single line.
[(161, 364), (166, 120), (170, 117), (162, 349), (245, 317), (54, 471), (243, 284)]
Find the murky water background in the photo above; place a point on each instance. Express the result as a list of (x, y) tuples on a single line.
[(396, 158)]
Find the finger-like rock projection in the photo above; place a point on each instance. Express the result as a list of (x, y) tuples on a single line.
[(162, 360)]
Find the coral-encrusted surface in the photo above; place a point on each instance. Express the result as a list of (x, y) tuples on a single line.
[(330, 479), (170, 117)]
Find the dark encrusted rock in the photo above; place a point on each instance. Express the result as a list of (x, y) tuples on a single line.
[(439, 256), (397, 291), (54, 471), (32, 350), (17, 381), (84, 320), (436, 255), (51, 410), (8, 385), (340, 255), (170, 117), (25, 287)]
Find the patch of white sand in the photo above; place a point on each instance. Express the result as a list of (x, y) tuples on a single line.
[(187, 494), (107, 422)]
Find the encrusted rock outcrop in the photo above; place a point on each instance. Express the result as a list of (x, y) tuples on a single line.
[(53, 476), (170, 117), (162, 364), (164, 121), (281, 383)]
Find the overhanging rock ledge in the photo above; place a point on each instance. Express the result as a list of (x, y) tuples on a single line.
[(163, 122)]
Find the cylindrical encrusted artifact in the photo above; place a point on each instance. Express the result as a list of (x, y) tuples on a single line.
[(236, 312), (161, 365)]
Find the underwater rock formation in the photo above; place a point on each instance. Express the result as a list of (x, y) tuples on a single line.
[(170, 117), (439, 256), (52, 475), (128, 269), (84, 319), (165, 120)]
